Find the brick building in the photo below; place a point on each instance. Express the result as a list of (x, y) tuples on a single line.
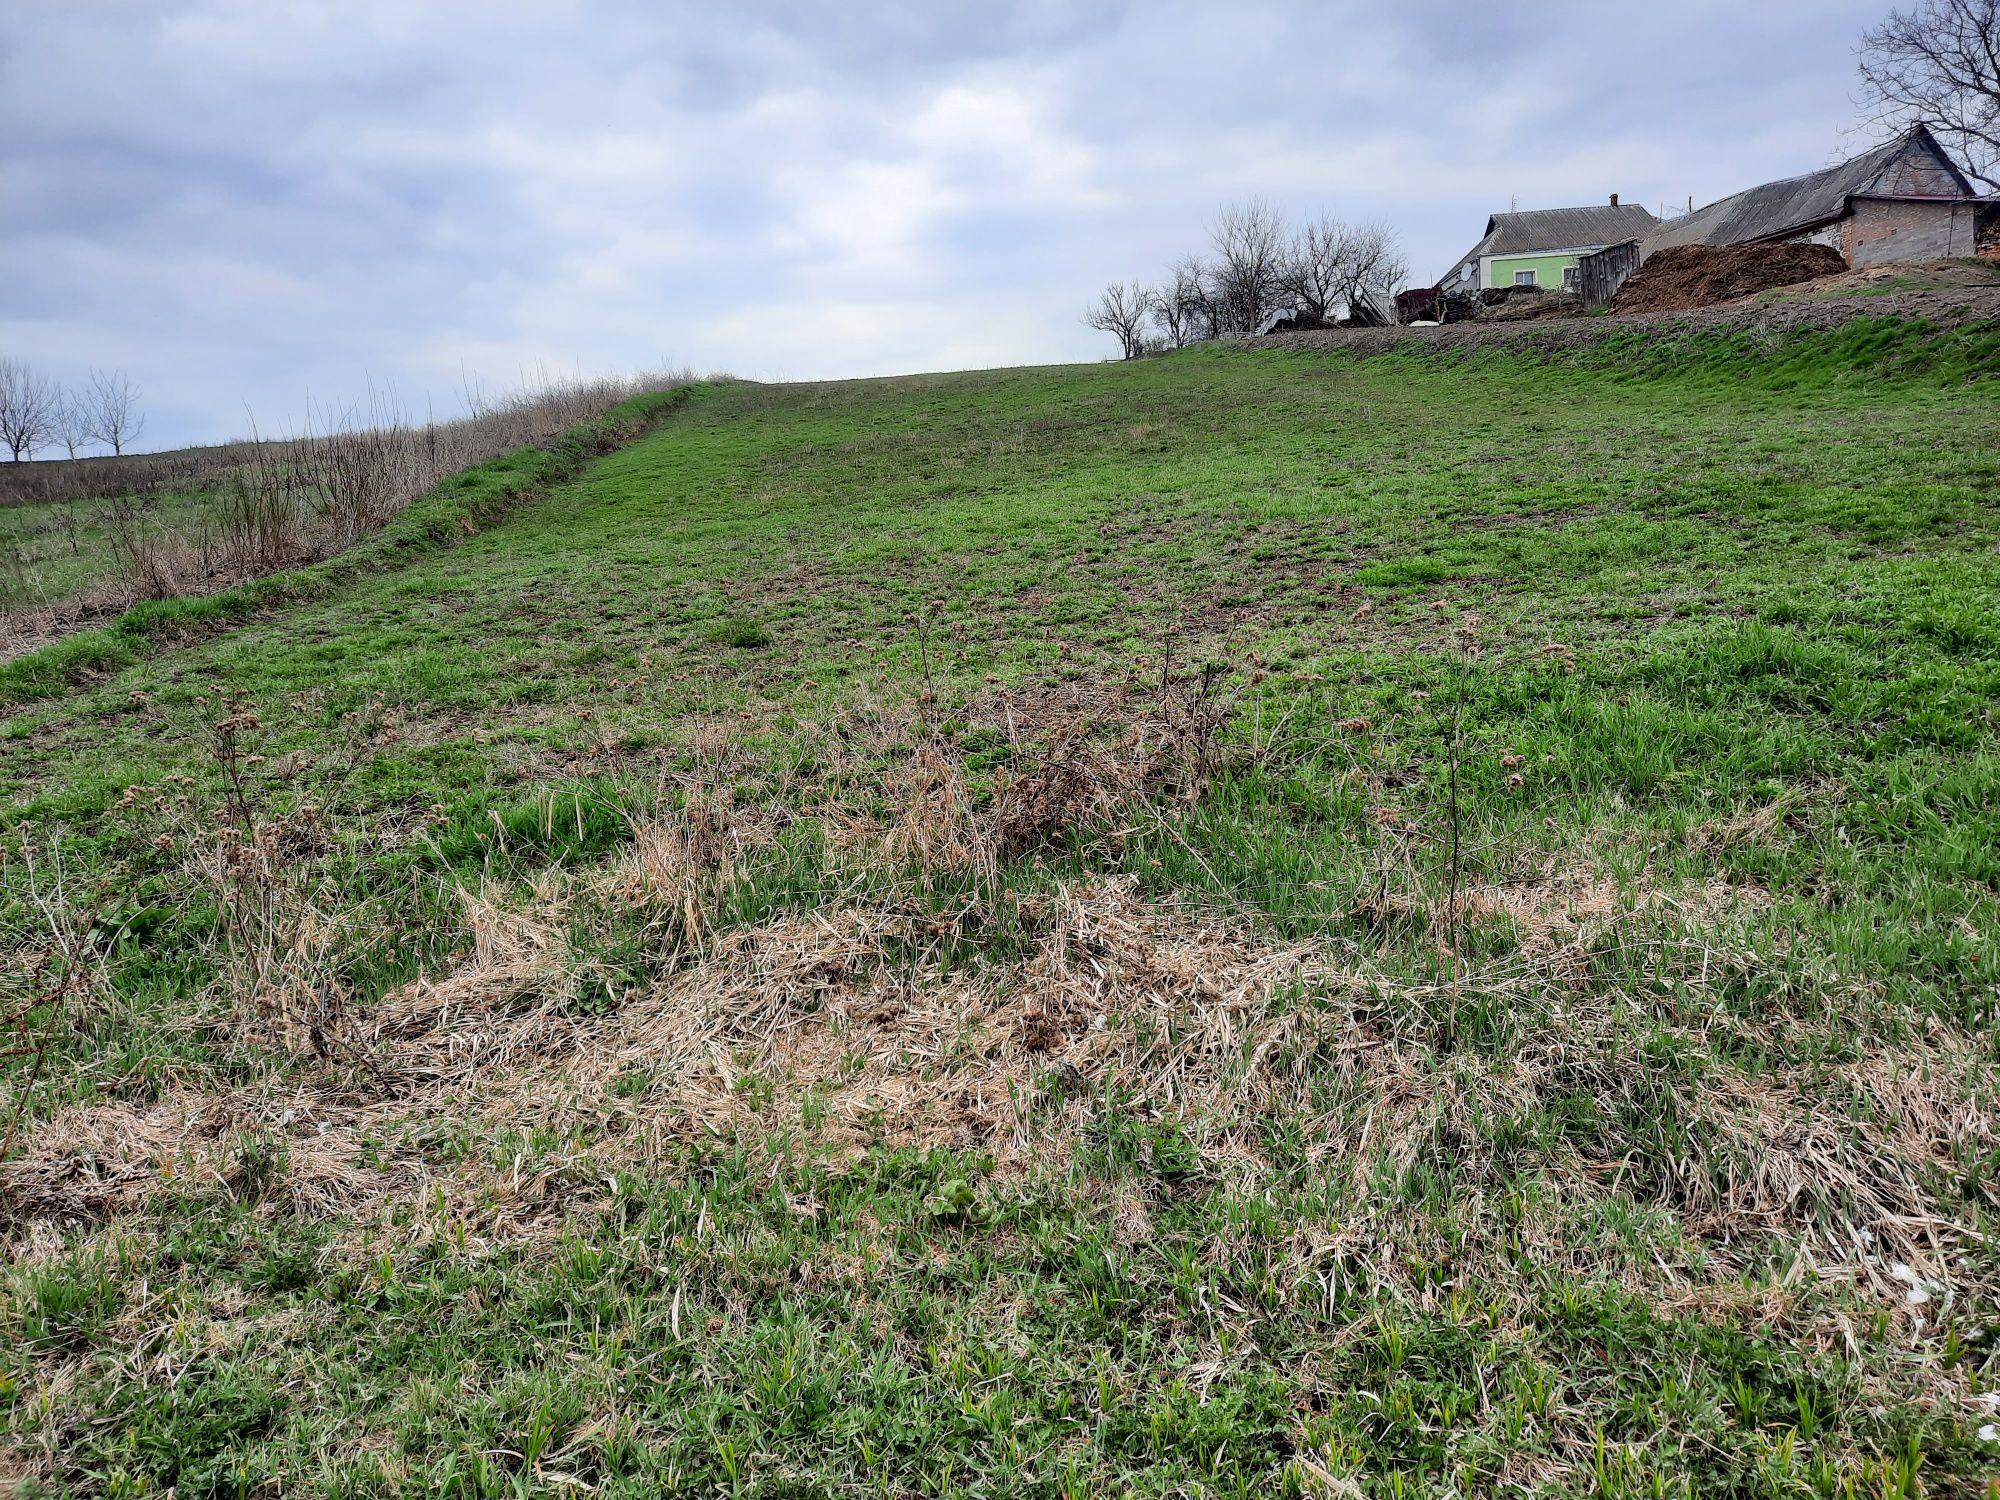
[(1904, 200)]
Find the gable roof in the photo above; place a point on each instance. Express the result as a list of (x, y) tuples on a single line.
[(1912, 165), (1541, 230), (1545, 229)]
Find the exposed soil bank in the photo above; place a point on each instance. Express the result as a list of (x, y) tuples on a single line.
[(1946, 308)]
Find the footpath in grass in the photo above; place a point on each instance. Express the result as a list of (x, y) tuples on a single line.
[(1244, 923)]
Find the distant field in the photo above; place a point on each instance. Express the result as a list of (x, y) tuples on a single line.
[(84, 540), (1248, 923), (56, 551), (57, 540)]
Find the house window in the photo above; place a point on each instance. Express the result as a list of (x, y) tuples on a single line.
[(1526, 278), (1570, 277)]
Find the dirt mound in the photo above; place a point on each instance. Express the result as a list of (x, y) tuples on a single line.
[(1907, 275), (1705, 275), (1530, 306)]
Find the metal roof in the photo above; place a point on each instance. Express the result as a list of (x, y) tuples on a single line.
[(1796, 204), (1542, 230), (1545, 229)]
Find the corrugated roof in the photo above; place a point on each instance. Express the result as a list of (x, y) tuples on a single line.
[(1540, 230), (1545, 229), (1797, 204)]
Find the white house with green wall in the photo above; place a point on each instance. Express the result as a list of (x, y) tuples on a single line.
[(1541, 247)]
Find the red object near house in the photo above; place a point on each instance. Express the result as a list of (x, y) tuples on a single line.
[(1420, 302)]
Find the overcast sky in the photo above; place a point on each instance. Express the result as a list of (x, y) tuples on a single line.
[(253, 203)]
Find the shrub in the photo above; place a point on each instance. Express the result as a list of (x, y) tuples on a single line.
[(747, 634)]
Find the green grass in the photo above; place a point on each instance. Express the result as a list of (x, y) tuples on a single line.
[(56, 550), (1570, 1208)]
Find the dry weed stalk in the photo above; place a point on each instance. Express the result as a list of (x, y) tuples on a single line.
[(1085, 765), (280, 941), (692, 846), (1424, 861), (55, 978)]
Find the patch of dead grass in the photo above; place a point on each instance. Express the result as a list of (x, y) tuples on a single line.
[(821, 1023), (19, 1475), (860, 1022), (1553, 908)]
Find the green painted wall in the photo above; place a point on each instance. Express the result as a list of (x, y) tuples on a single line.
[(1548, 269)]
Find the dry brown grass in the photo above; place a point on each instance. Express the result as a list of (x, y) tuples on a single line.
[(864, 1022), (1551, 908), (819, 1022), (18, 1476)]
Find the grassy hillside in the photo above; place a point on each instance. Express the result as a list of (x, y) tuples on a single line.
[(1245, 923)]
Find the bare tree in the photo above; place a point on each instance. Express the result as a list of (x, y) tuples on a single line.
[(1121, 310), (1182, 309), (1314, 270), (27, 409), (1258, 269), (1939, 62), (1249, 241), (1370, 272), (114, 406), (1332, 267), (73, 424)]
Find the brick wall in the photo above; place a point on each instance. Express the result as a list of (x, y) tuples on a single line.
[(1877, 232)]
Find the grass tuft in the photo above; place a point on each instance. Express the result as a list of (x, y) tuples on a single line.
[(746, 635)]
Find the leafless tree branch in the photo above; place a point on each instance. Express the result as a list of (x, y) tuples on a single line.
[(28, 405), (1183, 309), (1250, 253), (113, 402), (1121, 310), (1332, 266), (72, 425), (1939, 63)]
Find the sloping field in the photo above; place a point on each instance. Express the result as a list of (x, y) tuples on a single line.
[(1258, 922)]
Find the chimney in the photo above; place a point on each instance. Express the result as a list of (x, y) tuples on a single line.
[(1614, 200)]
